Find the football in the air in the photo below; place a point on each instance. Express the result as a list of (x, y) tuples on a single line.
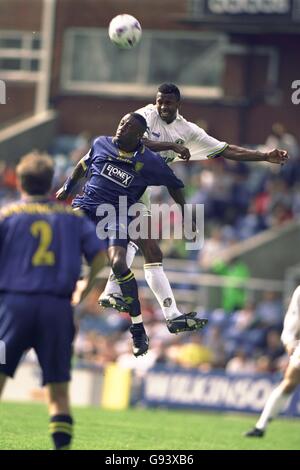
[(125, 31)]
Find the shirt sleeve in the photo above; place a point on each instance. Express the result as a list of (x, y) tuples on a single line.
[(87, 160), (91, 245), (157, 173), (202, 145)]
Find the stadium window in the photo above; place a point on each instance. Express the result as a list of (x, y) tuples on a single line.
[(12, 43), (10, 64), (92, 64), (19, 55)]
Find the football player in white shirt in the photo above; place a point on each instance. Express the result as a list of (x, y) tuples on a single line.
[(175, 138), (290, 337)]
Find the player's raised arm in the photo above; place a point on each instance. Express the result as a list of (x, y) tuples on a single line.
[(233, 152), (78, 173)]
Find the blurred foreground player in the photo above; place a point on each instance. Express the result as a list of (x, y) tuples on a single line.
[(291, 339), (41, 244)]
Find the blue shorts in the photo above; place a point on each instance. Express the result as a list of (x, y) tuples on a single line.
[(115, 231), (42, 322)]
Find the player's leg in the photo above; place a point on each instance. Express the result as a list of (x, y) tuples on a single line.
[(112, 294), (159, 284), (61, 422), (16, 321), (156, 277), (58, 398), (54, 328), (128, 286), (277, 399)]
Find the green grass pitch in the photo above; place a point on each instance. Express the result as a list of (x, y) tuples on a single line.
[(25, 426)]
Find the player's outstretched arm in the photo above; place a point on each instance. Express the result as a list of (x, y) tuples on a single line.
[(233, 152), (183, 152), (78, 173)]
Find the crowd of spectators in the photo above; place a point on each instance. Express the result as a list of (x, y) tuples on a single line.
[(246, 340)]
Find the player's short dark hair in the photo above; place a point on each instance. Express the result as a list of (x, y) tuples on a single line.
[(35, 173), (141, 119), (168, 88)]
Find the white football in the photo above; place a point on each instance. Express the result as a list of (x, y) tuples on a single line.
[(125, 31)]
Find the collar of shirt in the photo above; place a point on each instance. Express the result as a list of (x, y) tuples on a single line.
[(30, 198)]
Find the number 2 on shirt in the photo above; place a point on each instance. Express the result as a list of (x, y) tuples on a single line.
[(42, 257)]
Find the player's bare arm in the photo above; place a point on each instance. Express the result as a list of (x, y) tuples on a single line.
[(233, 152), (78, 174), (182, 151)]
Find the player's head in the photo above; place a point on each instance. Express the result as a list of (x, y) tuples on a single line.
[(168, 101), (130, 130), (35, 173)]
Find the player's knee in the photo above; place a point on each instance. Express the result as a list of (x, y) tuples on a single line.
[(152, 253), (118, 265)]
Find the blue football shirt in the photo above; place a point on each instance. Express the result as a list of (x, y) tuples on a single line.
[(112, 173), (41, 244)]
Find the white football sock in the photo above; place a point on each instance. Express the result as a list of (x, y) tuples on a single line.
[(272, 407), (112, 287), (160, 286)]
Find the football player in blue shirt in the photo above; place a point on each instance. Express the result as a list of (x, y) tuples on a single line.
[(122, 166), (41, 244)]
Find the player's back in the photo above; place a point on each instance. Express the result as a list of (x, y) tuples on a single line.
[(40, 248)]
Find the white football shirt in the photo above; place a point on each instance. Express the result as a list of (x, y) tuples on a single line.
[(291, 326), (200, 144)]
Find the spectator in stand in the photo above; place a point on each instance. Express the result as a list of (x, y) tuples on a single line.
[(287, 141), (269, 310), (241, 363), (273, 348), (233, 296), (280, 138), (213, 246)]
